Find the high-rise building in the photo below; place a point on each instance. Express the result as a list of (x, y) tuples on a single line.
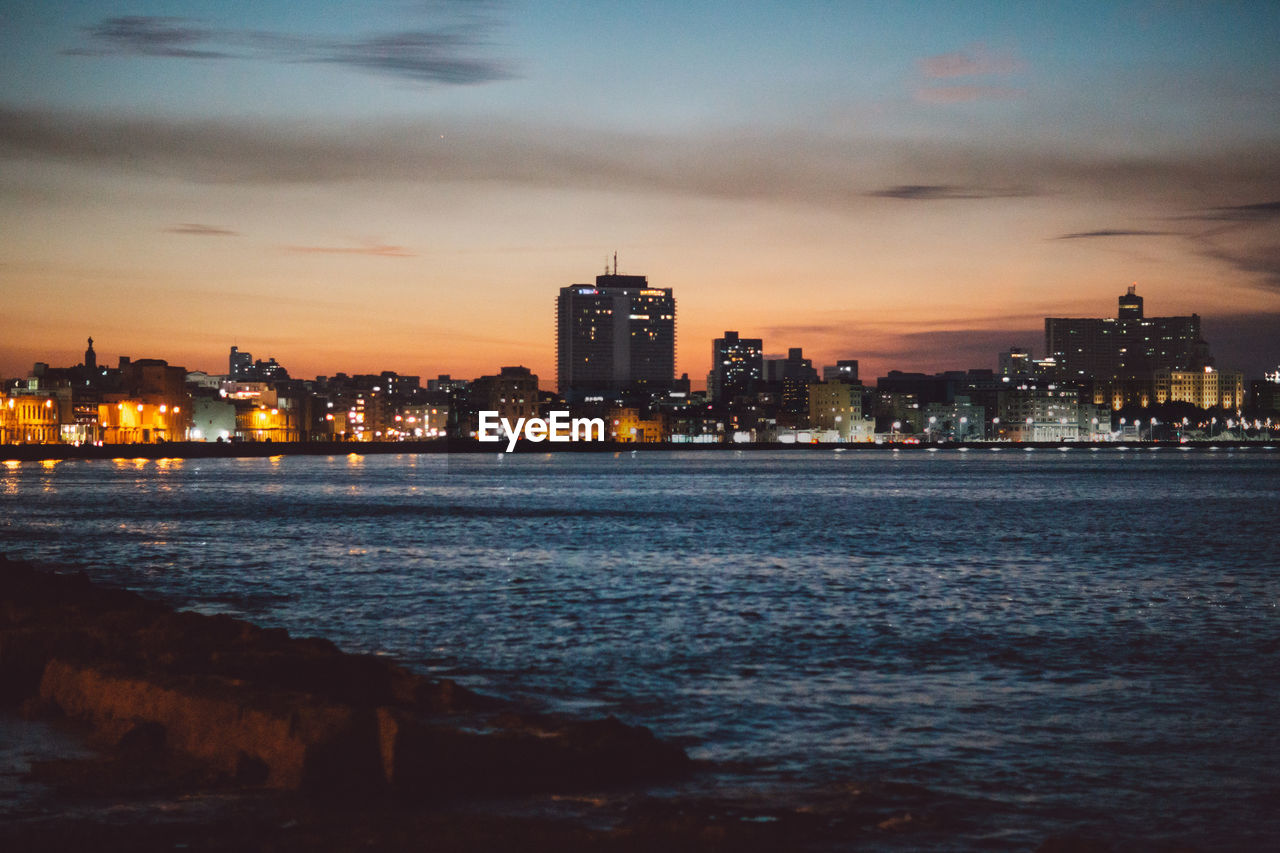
[(616, 335), (239, 364), (1129, 344), (793, 375), (737, 366)]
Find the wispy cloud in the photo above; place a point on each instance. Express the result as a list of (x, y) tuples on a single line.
[(453, 53), (377, 250), (1260, 260), (1113, 232), (965, 94), (139, 35), (195, 229), (934, 192), (1244, 236), (975, 61), (788, 167), (1262, 212)]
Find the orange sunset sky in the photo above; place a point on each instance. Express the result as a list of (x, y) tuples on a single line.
[(392, 186)]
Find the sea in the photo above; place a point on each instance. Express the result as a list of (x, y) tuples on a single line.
[(1013, 644)]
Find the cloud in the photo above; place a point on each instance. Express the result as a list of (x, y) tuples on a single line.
[(451, 54), (976, 61), (138, 35), (793, 167), (1114, 232), (198, 230), (966, 94), (932, 192), (973, 62), (1262, 212), (1262, 261), (1244, 236), (433, 57), (375, 249)]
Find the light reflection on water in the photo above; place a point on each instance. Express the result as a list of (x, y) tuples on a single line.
[(1054, 636)]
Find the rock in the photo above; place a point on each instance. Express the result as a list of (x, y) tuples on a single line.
[(301, 742), (267, 709)]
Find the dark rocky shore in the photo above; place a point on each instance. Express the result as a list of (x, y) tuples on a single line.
[(212, 733)]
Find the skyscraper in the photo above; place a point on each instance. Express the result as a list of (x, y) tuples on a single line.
[(239, 364), (737, 366), (616, 335), (1129, 344)]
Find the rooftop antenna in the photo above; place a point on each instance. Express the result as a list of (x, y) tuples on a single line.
[(615, 263)]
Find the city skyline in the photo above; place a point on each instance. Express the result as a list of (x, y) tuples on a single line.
[(400, 186)]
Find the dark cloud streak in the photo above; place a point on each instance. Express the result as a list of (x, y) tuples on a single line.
[(450, 55), (1114, 232), (930, 192), (797, 168), (195, 229), (139, 35)]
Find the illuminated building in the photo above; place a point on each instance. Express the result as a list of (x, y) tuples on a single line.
[(263, 423), (792, 375), (29, 419), (835, 406), (1035, 413), (627, 426), (959, 420), (131, 420), (426, 420), (844, 370), (616, 335), (1015, 361), (512, 393), (737, 366), (1206, 388), (1094, 421), (1129, 344), (212, 419), (239, 364)]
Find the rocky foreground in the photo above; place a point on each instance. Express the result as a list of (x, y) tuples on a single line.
[(213, 733)]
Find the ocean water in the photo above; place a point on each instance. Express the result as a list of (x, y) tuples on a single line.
[(1025, 643)]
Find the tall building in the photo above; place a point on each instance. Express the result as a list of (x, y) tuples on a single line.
[(793, 375), (835, 405), (239, 364), (737, 366), (1129, 344), (616, 335)]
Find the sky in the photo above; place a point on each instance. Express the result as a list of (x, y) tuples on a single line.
[(375, 185)]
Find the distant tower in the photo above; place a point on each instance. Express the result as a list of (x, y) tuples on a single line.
[(618, 334), (90, 357), (240, 364), (1131, 305), (737, 366)]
